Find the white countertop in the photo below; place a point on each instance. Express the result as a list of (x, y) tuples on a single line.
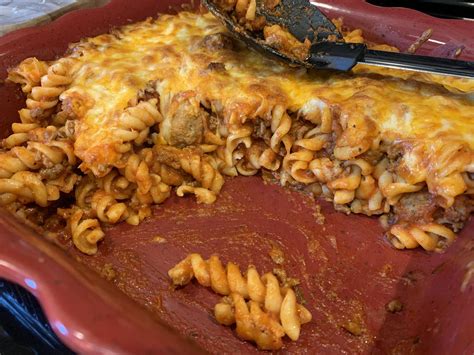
[(16, 14)]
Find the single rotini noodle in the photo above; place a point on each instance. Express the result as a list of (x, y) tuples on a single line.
[(280, 126), (252, 323), (219, 162), (298, 166), (107, 208), (325, 169), (29, 187), (201, 170), (65, 181), (116, 185), (54, 152), (17, 159), (44, 98), (20, 134), (84, 191), (291, 315), (357, 135), (344, 188), (28, 73), (258, 156), (430, 236), (137, 169), (313, 140), (393, 187), (86, 232), (236, 137), (135, 122), (158, 192), (319, 113), (202, 195)]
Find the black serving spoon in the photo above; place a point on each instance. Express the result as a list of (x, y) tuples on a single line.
[(304, 21)]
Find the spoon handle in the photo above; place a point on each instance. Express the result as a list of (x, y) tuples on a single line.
[(418, 63), (344, 56)]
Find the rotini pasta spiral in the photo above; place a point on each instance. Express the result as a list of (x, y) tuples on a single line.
[(263, 327), (393, 187), (86, 232), (258, 156), (54, 152), (218, 161), (202, 168), (236, 137), (356, 137), (135, 122), (116, 185), (117, 134), (297, 164), (28, 187), (157, 193), (252, 323), (107, 208), (28, 73), (279, 303), (20, 134), (313, 140), (325, 169), (35, 156), (211, 273), (17, 159), (344, 187), (84, 191), (431, 236), (202, 195), (202, 171), (136, 169), (43, 98), (319, 113), (280, 126)]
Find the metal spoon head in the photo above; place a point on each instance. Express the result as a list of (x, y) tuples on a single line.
[(302, 19), (305, 22), (250, 40)]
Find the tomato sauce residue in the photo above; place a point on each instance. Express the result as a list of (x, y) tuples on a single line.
[(348, 273)]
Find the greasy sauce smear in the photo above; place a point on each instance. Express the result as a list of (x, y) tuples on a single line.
[(346, 273)]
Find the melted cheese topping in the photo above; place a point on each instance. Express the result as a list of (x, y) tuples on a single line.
[(113, 67)]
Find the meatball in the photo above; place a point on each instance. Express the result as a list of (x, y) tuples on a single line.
[(217, 41), (183, 123)]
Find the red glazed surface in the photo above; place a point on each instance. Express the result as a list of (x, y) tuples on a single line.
[(401, 27), (346, 269)]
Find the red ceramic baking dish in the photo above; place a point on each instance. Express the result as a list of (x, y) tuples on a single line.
[(120, 300)]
